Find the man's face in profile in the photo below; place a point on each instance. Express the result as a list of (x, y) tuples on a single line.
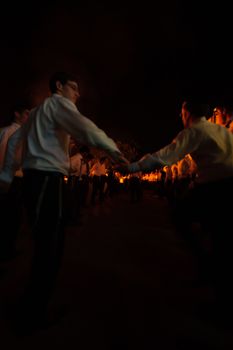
[(70, 90)]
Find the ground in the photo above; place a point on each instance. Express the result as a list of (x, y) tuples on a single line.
[(127, 282)]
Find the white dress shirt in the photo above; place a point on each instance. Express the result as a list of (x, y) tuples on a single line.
[(5, 134), (44, 139), (210, 145)]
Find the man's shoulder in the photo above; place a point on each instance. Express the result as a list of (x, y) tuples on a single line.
[(9, 129), (2, 130)]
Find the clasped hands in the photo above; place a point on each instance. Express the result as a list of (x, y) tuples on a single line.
[(122, 166)]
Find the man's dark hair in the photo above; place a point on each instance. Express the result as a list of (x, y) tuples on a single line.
[(19, 106), (84, 149), (63, 77), (196, 108)]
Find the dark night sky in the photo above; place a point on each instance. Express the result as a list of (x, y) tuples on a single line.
[(135, 63)]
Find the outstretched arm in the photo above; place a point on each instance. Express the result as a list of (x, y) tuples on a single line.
[(84, 130)]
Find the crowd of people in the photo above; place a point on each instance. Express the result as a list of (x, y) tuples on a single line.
[(38, 151)]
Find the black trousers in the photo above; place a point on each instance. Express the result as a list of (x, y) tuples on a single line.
[(98, 188), (210, 206), (43, 198)]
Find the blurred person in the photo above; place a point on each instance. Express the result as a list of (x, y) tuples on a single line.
[(11, 202), (135, 187), (223, 115), (98, 172), (219, 115), (78, 181), (20, 116)]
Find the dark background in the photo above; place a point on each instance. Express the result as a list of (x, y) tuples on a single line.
[(135, 63)]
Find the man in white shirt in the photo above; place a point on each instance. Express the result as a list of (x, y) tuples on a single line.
[(44, 141), (11, 202), (211, 147), (21, 113)]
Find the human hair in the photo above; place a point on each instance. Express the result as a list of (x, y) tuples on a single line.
[(197, 109), (62, 77), (84, 149), (19, 107)]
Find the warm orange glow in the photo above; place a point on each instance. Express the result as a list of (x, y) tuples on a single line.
[(121, 178), (152, 177)]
